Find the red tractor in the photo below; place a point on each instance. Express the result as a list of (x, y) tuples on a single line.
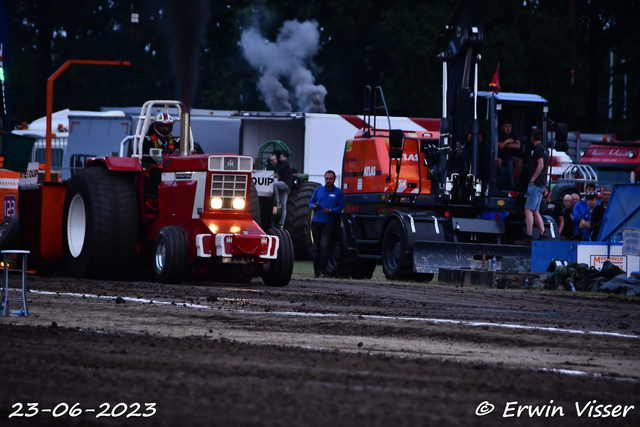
[(181, 212)]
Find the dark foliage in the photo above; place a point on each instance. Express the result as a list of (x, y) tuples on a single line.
[(559, 49)]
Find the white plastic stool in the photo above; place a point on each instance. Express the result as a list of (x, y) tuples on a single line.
[(5, 288)]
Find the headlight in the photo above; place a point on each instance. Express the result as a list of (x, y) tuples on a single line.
[(238, 204), (216, 203)]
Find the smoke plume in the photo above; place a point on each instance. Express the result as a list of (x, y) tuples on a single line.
[(285, 58), (186, 25)]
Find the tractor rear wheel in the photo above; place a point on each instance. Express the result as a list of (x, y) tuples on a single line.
[(277, 272), (171, 255), (298, 221), (100, 224)]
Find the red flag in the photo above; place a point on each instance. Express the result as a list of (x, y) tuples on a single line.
[(495, 83)]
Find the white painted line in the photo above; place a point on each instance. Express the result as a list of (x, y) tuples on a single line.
[(569, 372), (146, 301), (456, 322), (364, 316)]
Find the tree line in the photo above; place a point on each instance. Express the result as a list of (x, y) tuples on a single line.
[(559, 49)]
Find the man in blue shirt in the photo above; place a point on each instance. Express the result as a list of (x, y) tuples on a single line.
[(327, 202), (581, 209)]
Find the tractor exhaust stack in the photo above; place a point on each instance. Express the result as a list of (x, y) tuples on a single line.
[(185, 133)]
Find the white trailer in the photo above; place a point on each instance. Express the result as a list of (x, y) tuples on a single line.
[(316, 140)]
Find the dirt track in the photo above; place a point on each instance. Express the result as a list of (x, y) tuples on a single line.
[(318, 353)]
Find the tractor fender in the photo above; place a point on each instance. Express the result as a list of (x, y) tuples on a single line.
[(550, 223), (417, 226), (123, 164), (344, 230)]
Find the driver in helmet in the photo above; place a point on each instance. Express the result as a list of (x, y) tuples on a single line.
[(159, 136)]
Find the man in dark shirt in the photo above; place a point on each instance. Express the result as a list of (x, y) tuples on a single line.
[(567, 218), (535, 190), (581, 209), (282, 187), (597, 215), (509, 150)]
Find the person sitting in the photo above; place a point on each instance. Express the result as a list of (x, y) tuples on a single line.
[(159, 136), (509, 150)]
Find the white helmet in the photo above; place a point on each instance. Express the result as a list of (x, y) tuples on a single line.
[(163, 124)]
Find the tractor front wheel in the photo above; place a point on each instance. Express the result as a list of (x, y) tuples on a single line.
[(277, 272), (170, 255)]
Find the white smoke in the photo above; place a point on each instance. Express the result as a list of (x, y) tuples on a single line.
[(285, 58)]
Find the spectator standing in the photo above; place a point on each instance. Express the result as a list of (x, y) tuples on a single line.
[(597, 214), (575, 198), (535, 190), (327, 202), (282, 187), (585, 222), (606, 195), (582, 207), (566, 217)]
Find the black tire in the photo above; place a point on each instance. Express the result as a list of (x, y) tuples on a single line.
[(277, 272), (344, 262), (298, 221), (9, 231), (254, 205), (171, 255), (397, 264), (100, 224)]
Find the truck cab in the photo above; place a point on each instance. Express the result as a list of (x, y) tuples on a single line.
[(615, 162)]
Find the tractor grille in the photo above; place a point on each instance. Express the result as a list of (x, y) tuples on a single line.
[(228, 187)]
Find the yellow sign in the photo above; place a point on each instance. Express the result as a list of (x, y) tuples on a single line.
[(349, 145)]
